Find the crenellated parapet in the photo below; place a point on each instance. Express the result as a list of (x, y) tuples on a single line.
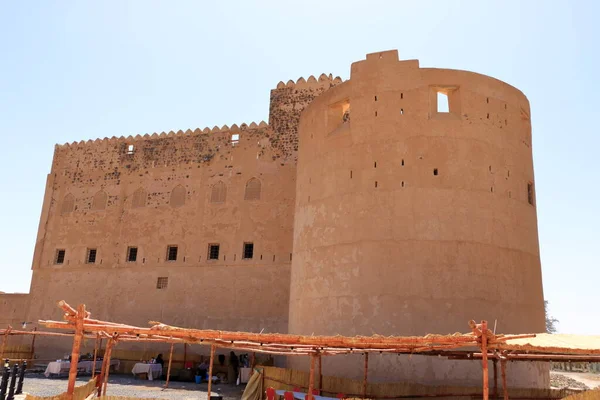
[(287, 102)]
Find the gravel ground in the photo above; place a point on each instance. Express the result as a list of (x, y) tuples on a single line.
[(561, 380), (126, 385)]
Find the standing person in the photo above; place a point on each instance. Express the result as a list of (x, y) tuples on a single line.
[(235, 365), (159, 360)]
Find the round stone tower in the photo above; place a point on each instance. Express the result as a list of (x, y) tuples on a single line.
[(415, 212)]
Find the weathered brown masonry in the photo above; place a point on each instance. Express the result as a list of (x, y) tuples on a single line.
[(363, 207)]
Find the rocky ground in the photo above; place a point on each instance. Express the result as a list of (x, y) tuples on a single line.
[(126, 385), (569, 380)]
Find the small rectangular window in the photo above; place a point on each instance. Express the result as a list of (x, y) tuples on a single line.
[(435, 171), (162, 282), (530, 193), (442, 102), (171, 253), (213, 251), (248, 250), (132, 254), (235, 139), (91, 256), (60, 256), (130, 149)]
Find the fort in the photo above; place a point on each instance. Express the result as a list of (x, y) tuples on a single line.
[(363, 207)]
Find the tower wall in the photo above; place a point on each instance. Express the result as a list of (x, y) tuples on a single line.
[(411, 221)]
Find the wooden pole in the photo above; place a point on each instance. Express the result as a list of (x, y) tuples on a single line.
[(102, 372), (503, 371), (33, 345), (484, 361), (169, 367), (95, 356), (495, 378), (184, 354), (320, 369), (210, 369), (364, 389), (252, 361), (4, 340), (75, 351), (311, 377), (109, 348)]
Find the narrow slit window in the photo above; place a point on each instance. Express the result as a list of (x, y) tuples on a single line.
[(213, 251), (442, 103), (488, 115), (375, 164), (435, 171), (350, 174), (162, 282), (132, 254), (402, 111), (375, 98), (248, 250), (60, 257), (403, 162), (530, 193), (401, 95), (402, 183), (90, 257), (375, 113), (172, 253), (375, 183)]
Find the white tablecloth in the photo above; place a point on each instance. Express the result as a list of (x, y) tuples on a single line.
[(245, 374), (153, 370), (63, 367)]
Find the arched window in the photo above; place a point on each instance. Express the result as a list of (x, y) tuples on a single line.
[(139, 198), (68, 204), (252, 190), (99, 201), (177, 196), (218, 193)]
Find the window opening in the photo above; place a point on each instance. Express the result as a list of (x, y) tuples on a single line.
[(530, 193), (375, 164), (403, 162), (132, 254), (402, 111), (130, 149), (401, 95), (172, 253), (402, 183), (350, 174), (162, 282), (235, 139), (60, 256), (213, 251), (487, 100), (91, 256), (435, 171), (375, 113), (375, 183), (488, 115), (442, 103), (248, 250), (375, 98)]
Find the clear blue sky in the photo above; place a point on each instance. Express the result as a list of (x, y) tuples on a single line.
[(73, 70)]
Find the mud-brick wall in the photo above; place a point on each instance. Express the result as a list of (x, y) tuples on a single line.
[(13, 309)]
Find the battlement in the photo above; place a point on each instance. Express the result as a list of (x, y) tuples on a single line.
[(215, 129), (311, 82)]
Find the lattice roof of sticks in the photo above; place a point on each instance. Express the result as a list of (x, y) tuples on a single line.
[(456, 346)]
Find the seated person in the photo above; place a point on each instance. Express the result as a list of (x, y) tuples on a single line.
[(202, 369)]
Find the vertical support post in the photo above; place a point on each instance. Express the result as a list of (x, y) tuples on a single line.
[(320, 370), (210, 369), (311, 377), (503, 371), (252, 361), (95, 355), (33, 345), (21, 377), (184, 354), (75, 351), (13, 381), (102, 372), (169, 367), (4, 340), (109, 347), (364, 388), (495, 378), (484, 361)]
